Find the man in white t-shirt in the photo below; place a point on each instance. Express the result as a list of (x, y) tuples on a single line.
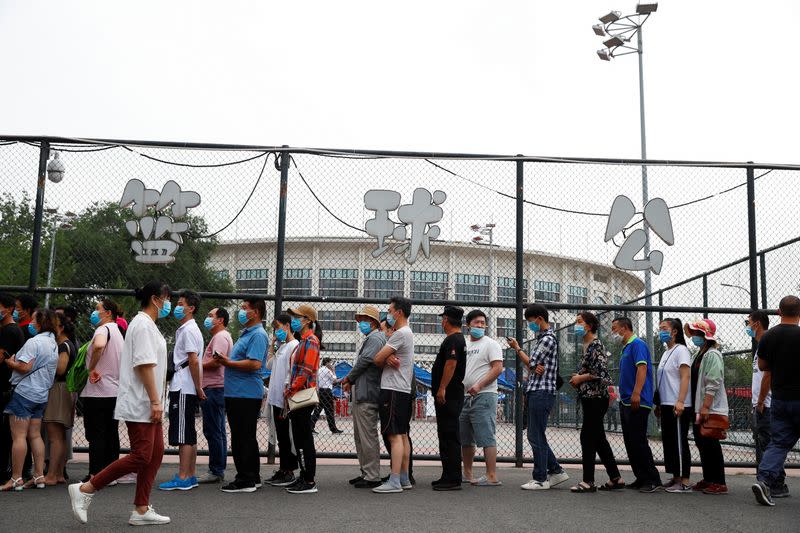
[(185, 391), (479, 414), (397, 360)]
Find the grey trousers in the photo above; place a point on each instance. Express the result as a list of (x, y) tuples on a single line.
[(365, 431)]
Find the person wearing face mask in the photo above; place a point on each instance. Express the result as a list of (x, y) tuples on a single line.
[(142, 379), (710, 397), (101, 390), (302, 376), (244, 392), (185, 391), (591, 382), (213, 407), (326, 379), (674, 405), (25, 305), (542, 364), (484, 363), (636, 403), (280, 363), (34, 370), (364, 382), (11, 340)]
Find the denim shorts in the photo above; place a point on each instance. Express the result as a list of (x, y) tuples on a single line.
[(478, 420), (23, 408)]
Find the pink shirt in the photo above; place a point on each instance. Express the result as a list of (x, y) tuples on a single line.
[(222, 343), (108, 366)]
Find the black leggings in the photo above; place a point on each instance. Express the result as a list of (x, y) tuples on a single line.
[(303, 441), (288, 460), (710, 457), (102, 432), (677, 460), (593, 439)]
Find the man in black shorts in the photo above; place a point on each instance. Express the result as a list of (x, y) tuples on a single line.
[(447, 382), (397, 360)]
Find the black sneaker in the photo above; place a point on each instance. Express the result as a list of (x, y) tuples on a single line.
[(437, 482), (304, 487), (239, 486), (761, 492), (283, 480), (636, 485), (782, 492), (364, 484), (296, 483), (447, 485), (356, 480), (649, 488)]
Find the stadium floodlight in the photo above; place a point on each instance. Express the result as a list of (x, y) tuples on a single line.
[(646, 9), (612, 16), (599, 30), (604, 54), (615, 40)]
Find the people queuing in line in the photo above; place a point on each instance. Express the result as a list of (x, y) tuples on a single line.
[(126, 382)]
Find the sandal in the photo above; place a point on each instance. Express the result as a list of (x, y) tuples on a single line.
[(16, 485), (35, 483), (609, 485), (583, 487)]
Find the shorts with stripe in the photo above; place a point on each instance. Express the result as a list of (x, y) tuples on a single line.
[(182, 408), (395, 412)]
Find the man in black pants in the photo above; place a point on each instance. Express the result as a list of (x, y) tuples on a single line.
[(11, 340), (326, 379), (447, 381)]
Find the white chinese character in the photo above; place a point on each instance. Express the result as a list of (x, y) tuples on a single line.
[(657, 217)]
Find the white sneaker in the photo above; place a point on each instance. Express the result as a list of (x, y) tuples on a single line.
[(80, 502), (536, 485), (557, 479), (388, 488), (150, 518), (127, 479)]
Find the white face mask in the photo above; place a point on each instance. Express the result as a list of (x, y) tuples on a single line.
[(615, 338)]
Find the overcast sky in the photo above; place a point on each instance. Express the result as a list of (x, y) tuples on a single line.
[(503, 77)]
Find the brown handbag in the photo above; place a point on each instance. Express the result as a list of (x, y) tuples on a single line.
[(715, 427)]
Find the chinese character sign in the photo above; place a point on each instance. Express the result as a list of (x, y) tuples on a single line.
[(657, 217), (420, 215), (156, 234)]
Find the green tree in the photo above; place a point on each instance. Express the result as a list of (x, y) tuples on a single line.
[(16, 235)]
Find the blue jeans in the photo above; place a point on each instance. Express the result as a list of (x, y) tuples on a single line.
[(214, 429), (540, 403), (785, 429)]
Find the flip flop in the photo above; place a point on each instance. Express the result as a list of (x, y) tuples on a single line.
[(483, 481)]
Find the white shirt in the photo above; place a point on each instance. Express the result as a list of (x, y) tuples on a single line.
[(399, 379), (668, 375), (480, 355), (280, 372), (144, 345), (757, 375), (188, 339), (325, 378)]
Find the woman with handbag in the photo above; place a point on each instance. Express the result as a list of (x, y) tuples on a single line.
[(301, 395), (711, 405)]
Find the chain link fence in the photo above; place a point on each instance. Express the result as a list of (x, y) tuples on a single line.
[(339, 229)]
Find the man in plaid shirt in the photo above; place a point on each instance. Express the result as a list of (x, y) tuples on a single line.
[(542, 366)]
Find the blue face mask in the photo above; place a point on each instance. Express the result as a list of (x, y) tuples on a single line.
[(32, 329), (664, 336), (280, 334), (94, 318), (296, 325), (534, 327), (477, 333), (15, 316), (165, 309), (242, 316), (580, 330), (364, 327), (179, 312), (390, 319), (698, 341), (208, 323), (750, 333)]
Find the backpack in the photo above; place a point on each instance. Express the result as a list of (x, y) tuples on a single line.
[(78, 374)]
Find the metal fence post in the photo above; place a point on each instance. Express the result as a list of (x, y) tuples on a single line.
[(705, 295), (751, 230), (285, 155), (763, 272), (36, 246), (520, 274)]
